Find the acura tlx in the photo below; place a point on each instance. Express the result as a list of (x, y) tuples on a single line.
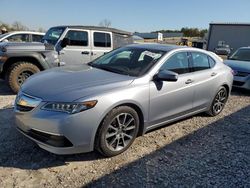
[(105, 104)]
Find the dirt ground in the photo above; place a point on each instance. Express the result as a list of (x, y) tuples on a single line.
[(198, 151)]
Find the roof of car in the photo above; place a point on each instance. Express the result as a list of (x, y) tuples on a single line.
[(247, 47), (155, 46), (26, 32), (97, 28)]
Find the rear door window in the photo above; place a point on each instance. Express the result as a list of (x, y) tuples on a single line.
[(102, 39), (211, 61), (200, 61)]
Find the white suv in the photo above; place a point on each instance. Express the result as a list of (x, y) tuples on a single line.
[(22, 36)]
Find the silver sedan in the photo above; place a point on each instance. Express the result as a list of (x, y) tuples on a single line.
[(107, 103)]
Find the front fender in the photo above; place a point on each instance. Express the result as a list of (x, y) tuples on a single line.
[(138, 96), (36, 57)]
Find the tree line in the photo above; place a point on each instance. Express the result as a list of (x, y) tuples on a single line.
[(17, 26), (187, 32)]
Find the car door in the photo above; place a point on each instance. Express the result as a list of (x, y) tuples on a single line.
[(101, 43), (78, 48), (204, 76), (169, 100)]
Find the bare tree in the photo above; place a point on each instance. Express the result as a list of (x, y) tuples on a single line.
[(105, 23), (42, 30), (18, 26)]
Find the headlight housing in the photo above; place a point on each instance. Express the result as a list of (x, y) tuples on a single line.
[(70, 108)]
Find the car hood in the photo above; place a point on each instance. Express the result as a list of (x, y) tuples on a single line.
[(23, 46), (67, 84), (243, 66)]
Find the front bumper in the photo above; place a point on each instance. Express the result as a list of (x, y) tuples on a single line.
[(242, 82), (57, 132)]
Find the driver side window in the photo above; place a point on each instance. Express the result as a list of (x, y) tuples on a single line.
[(77, 38), (177, 63)]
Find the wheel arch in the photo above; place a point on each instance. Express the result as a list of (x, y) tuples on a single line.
[(227, 88), (13, 60), (140, 114), (133, 105)]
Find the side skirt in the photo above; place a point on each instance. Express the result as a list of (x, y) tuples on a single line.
[(174, 119)]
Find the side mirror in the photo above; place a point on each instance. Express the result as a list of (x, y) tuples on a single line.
[(165, 75), (65, 42)]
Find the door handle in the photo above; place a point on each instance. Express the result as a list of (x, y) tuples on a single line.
[(189, 81), (85, 53), (213, 74)]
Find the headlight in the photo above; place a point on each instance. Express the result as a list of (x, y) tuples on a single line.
[(70, 108)]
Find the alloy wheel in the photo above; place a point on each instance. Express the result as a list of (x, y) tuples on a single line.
[(120, 132), (220, 101)]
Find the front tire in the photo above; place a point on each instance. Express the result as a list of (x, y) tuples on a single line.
[(18, 73), (219, 102), (117, 131)]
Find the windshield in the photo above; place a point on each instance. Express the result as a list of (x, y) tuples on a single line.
[(130, 61), (53, 35), (241, 55)]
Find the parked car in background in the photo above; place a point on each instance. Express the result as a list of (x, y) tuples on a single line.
[(22, 36), (61, 45), (222, 50), (239, 61), (106, 104)]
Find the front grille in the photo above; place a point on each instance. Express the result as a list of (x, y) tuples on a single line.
[(52, 140), (241, 74), (237, 83)]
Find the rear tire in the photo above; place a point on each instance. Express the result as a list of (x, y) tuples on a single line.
[(18, 73), (117, 131), (219, 102)]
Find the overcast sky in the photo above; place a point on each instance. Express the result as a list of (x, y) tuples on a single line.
[(130, 15)]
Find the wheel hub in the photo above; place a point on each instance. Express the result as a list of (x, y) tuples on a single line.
[(120, 131), (23, 76), (220, 101)]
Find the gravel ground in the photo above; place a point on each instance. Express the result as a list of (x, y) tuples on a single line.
[(199, 151)]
